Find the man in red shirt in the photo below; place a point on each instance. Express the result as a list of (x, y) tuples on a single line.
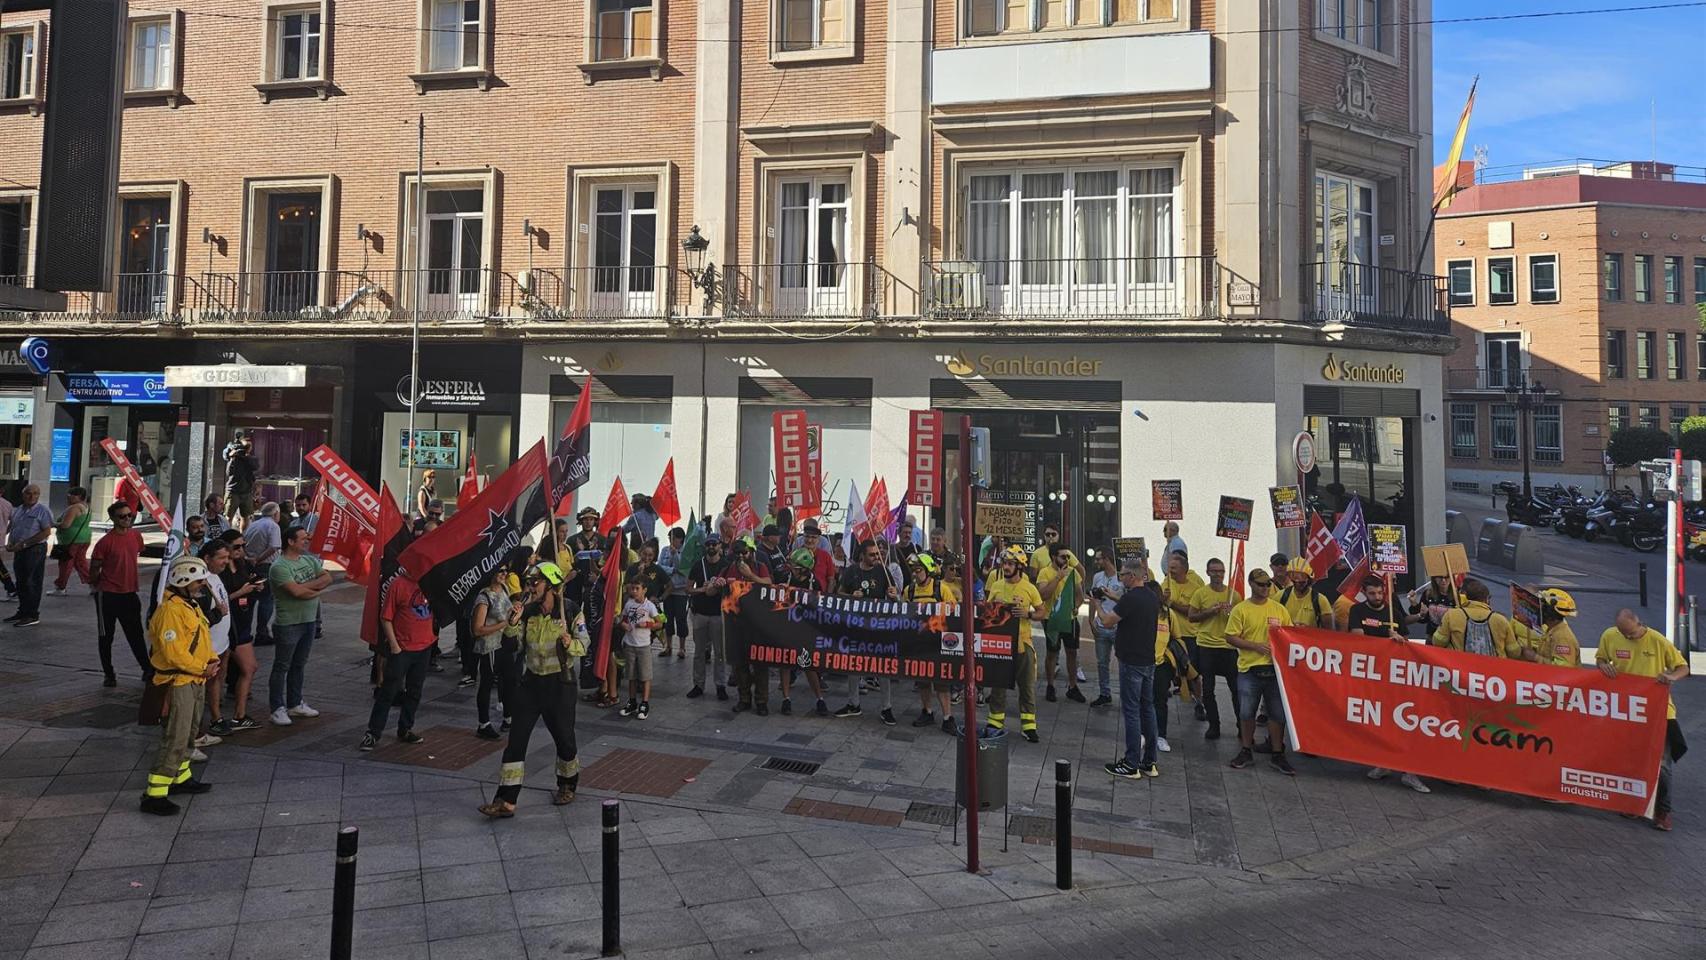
[(408, 636), (112, 579)]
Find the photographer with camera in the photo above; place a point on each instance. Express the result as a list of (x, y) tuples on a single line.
[(240, 468)]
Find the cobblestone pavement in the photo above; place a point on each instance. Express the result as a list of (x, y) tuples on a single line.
[(724, 857)]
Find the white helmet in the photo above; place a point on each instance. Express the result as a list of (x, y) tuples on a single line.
[(185, 571)]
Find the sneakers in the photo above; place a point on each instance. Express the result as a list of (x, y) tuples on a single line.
[(1243, 759), (1152, 771), (646, 709), (220, 728), (949, 727), (58, 592), (196, 756), (207, 740), (1079, 676), (1414, 783), (924, 719), (696, 692), (1379, 773), (630, 708), (888, 717), (1283, 765), (27, 621), (1123, 770), (849, 711), (485, 731), (787, 706), (1162, 745), (722, 692), (1048, 694), (303, 710), (1074, 694), (281, 718), (245, 723), (822, 709), (409, 736), (159, 806), (467, 681), (1102, 701), (368, 742)]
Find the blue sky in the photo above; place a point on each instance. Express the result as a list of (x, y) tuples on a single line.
[(1579, 86)]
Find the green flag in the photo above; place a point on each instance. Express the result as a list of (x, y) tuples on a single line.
[(694, 547)]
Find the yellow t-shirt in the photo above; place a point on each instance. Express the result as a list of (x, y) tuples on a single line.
[(927, 592), (1559, 647), (1342, 611), (1050, 573), (1211, 633), (1252, 621), (1455, 625), (1022, 592), (1307, 611), (1178, 623), (1648, 656)]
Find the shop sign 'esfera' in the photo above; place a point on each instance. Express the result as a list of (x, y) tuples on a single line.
[(1361, 372)]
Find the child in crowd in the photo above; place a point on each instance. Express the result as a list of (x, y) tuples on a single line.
[(639, 619)]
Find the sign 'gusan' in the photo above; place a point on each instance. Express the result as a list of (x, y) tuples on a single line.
[(1558, 733), (793, 472), (924, 459), (1349, 372)]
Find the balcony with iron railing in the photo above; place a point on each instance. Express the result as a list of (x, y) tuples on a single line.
[(1135, 288), (612, 294), (1362, 295), (1495, 379), (805, 292)]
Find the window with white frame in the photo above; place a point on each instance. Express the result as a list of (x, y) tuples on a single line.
[(1366, 23), (1461, 276), (1501, 280), (813, 236), (1344, 243), (811, 25), (17, 214), (1504, 360), (626, 30), (1075, 235), (1543, 278), (623, 255), (456, 35), (18, 66), (298, 44), (1464, 442), (983, 18), (1502, 419), (1548, 433), (151, 51)]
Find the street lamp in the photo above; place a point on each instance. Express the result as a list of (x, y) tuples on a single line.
[(701, 272), (1525, 396)]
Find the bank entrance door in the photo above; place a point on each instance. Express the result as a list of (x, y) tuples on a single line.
[(1363, 440)]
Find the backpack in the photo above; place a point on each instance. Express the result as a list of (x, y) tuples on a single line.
[(1315, 600), (1478, 635)]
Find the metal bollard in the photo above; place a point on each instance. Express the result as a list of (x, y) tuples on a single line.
[(1693, 631), (1643, 579), (343, 893), (1063, 824), (612, 879)]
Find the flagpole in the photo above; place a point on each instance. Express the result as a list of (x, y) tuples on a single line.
[(415, 311)]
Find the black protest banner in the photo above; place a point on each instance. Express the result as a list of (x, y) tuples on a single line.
[(883, 638)]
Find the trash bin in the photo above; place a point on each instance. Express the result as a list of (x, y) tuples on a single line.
[(991, 770)]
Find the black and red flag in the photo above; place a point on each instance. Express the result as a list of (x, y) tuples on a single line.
[(570, 465), (391, 538), (612, 596), (452, 562)]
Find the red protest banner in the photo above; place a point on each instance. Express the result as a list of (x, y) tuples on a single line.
[(924, 459), (150, 502), (344, 482), (746, 520), (1558, 733), (793, 474)]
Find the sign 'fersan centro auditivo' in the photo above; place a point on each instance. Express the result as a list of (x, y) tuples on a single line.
[(989, 365)]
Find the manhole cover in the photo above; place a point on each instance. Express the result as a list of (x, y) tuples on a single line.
[(785, 765), (939, 814), (1024, 825)]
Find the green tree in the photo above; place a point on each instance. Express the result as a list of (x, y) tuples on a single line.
[(1630, 445), (1694, 439)]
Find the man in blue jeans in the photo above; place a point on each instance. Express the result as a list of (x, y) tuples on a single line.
[(297, 578), (1134, 618)]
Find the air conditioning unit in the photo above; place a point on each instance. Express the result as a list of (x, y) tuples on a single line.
[(957, 287)]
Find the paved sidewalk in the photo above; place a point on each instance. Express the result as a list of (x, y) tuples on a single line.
[(725, 857)]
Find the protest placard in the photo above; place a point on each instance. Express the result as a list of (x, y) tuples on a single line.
[(1391, 549), (1525, 607), (1129, 550), (1168, 498), (1288, 506), (1234, 520), (1000, 520)]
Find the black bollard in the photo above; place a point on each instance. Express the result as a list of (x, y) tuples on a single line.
[(343, 893), (1643, 578), (612, 879), (1063, 824)]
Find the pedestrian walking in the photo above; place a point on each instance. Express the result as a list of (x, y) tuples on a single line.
[(406, 627), (545, 692), (112, 571), (181, 650), (1135, 618), (297, 579), (1372, 617), (26, 540), (71, 540)]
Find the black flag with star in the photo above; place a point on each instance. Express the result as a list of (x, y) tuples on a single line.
[(454, 561)]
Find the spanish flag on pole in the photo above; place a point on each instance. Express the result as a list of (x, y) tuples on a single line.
[(1447, 186)]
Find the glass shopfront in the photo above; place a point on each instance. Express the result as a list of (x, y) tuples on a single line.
[(1363, 438), (631, 430)]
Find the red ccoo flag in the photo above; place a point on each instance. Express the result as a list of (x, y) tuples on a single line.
[(1322, 551), (616, 509), (664, 499), (612, 577), (470, 485)]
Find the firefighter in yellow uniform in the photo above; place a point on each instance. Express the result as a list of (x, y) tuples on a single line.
[(1306, 606), (1554, 643), (1475, 628), (180, 648), (1010, 587)]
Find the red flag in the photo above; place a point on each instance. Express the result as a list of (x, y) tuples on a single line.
[(793, 470), (381, 559), (1235, 579), (664, 499), (341, 534), (616, 509), (745, 518), (612, 603), (924, 459), (877, 509), (814, 479), (1351, 586), (1322, 551), (470, 485), (156, 509), (453, 561)]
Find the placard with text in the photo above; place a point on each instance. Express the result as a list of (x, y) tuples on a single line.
[(1168, 498)]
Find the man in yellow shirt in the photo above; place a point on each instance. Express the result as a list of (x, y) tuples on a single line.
[(1178, 586), (1014, 590), (1258, 684), (1555, 643), (1475, 628), (1633, 648), (1210, 605), (1061, 584), (1307, 606), (924, 584), (180, 648)]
